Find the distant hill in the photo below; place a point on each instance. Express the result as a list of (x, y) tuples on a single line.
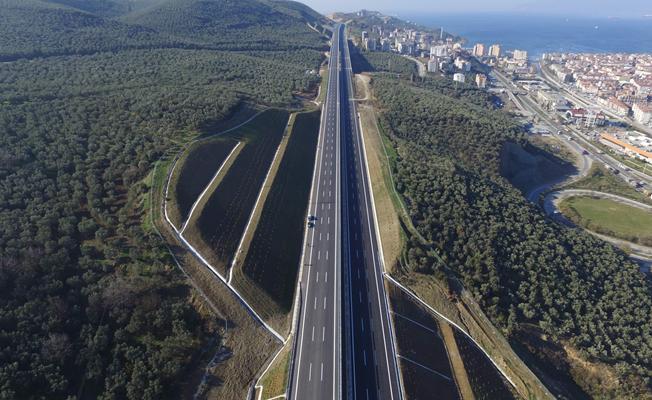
[(107, 8), (34, 28), (232, 24), (365, 20)]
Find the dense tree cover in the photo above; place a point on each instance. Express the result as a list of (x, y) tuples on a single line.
[(364, 61), (271, 80), (37, 28), (108, 8), (33, 28), (230, 24), (522, 268), (90, 303)]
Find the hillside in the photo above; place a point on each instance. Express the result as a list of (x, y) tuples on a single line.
[(231, 24), (92, 305), (573, 306), (35, 28)]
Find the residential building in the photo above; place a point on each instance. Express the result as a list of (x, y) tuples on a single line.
[(481, 80), (643, 86), (551, 101), (520, 55), (433, 64), (642, 113), (459, 78), (478, 50), (462, 64), (586, 118), (618, 107), (439, 51), (494, 50)]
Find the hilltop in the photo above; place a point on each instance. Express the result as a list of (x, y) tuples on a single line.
[(36, 28), (365, 20)]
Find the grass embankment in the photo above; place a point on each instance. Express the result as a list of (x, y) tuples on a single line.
[(528, 167), (609, 217), (193, 173), (323, 86), (221, 222), (466, 313), (555, 146), (244, 345), (387, 201), (457, 364), (274, 382), (423, 357), (463, 310), (268, 273), (601, 180)]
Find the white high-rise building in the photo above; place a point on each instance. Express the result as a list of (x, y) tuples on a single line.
[(459, 78), (520, 55), (478, 50), (438, 51), (494, 50)]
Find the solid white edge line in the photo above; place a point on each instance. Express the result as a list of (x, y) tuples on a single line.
[(314, 189), (378, 290), (382, 259)]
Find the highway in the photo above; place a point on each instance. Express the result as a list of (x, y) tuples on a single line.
[(344, 347), (372, 371), (316, 369)]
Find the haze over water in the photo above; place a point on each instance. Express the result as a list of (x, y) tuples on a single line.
[(541, 34)]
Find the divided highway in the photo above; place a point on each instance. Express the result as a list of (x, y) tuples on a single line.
[(344, 346), (372, 370)]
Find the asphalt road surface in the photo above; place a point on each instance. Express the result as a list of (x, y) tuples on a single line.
[(344, 346), (372, 371), (316, 371)]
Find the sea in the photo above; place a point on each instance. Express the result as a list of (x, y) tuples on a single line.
[(543, 34)]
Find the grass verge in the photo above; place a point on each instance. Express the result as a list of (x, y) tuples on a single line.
[(275, 381), (601, 180), (609, 217), (387, 204), (461, 377)]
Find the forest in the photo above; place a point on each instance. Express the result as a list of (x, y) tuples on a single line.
[(91, 304), (529, 274)]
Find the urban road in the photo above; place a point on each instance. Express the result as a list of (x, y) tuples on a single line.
[(344, 347)]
